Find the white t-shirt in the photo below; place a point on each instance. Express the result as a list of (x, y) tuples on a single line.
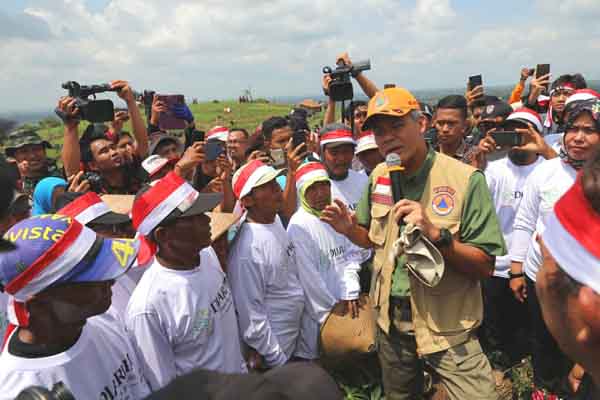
[(266, 289), (3, 315), (122, 291), (543, 187), (506, 181), (328, 266), (351, 189), (102, 364), (180, 320)]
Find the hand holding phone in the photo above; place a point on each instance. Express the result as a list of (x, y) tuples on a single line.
[(213, 149), (542, 70), (474, 81), (167, 119)]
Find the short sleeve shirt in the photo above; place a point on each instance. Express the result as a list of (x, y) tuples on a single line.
[(479, 225)]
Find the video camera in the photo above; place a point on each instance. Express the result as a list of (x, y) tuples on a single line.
[(340, 87), (91, 110)]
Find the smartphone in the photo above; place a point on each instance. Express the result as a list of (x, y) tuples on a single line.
[(474, 81), (542, 69), (168, 120), (507, 138), (197, 136), (298, 138), (213, 149)]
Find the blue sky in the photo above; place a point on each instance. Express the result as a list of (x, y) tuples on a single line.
[(214, 49)]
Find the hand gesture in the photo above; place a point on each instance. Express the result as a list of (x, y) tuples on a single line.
[(158, 106), (411, 212), (537, 87), (124, 91), (67, 111), (76, 184), (312, 142), (120, 118), (487, 145), (339, 217), (345, 58), (182, 111), (191, 158), (533, 142), (214, 186), (473, 94), (295, 156), (224, 167), (259, 155), (351, 306), (325, 82), (255, 360), (525, 74)]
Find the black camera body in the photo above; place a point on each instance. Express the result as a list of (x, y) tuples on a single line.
[(91, 110), (340, 87), (95, 181)]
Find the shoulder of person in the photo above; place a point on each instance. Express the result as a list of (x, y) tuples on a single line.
[(453, 164)]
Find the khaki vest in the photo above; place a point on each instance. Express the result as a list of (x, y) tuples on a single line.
[(443, 316)]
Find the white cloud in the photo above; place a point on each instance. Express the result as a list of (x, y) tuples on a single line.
[(214, 49)]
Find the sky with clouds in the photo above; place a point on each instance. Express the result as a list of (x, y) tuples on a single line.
[(214, 49)]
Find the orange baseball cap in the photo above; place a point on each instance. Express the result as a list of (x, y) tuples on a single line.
[(395, 102)]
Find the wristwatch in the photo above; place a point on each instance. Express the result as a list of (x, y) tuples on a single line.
[(513, 276), (445, 239)]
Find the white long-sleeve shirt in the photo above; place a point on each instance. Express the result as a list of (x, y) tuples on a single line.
[(543, 187), (266, 289), (506, 182), (351, 189), (180, 320), (328, 266)]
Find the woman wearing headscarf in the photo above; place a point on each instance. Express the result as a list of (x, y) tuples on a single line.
[(45, 193), (328, 263)]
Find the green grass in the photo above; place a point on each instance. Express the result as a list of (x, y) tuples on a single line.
[(206, 115)]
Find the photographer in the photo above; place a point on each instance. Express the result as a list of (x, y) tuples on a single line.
[(97, 151), (368, 87), (28, 149)]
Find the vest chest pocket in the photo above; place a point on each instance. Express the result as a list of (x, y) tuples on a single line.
[(379, 219)]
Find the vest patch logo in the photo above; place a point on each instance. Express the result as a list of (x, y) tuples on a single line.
[(443, 200)]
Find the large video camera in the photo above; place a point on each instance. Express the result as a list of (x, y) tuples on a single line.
[(91, 110), (340, 87)]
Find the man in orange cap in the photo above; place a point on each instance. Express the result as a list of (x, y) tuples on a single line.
[(450, 204)]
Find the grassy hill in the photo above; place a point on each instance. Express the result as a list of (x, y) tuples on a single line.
[(207, 115)]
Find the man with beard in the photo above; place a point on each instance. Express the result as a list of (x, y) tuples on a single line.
[(508, 337), (28, 149), (543, 188)]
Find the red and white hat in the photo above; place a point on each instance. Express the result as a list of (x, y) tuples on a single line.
[(527, 115), (218, 133), (310, 171), (338, 136), (251, 175), (155, 163), (170, 197), (582, 94), (85, 208), (571, 236), (366, 141)]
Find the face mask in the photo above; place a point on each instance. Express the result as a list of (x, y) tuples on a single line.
[(278, 157)]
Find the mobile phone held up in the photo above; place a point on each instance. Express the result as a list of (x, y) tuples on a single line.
[(213, 149), (507, 138), (168, 120), (474, 81), (541, 70), (298, 137)]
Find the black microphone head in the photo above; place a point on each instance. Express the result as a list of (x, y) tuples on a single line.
[(393, 160)]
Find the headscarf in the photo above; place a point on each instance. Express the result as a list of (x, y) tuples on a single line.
[(573, 111), (307, 175), (42, 195)]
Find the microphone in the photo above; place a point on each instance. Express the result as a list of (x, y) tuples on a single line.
[(395, 168)]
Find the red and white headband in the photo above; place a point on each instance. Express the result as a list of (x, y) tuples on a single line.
[(337, 136), (85, 208), (527, 115), (366, 141), (308, 172), (571, 236), (218, 133), (248, 175), (152, 207)]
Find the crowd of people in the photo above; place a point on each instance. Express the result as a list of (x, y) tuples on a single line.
[(166, 264)]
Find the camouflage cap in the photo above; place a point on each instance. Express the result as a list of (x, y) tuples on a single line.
[(20, 138)]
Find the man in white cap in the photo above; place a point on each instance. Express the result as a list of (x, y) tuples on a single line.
[(337, 152), (60, 276), (367, 151), (543, 188), (328, 262), (509, 337), (568, 284), (181, 314), (263, 270)]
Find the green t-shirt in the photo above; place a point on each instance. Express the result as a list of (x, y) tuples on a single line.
[(479, 225)]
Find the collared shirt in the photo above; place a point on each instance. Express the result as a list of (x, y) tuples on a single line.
[(474, 229)]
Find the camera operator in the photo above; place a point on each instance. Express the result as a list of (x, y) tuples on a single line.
[(98, 152), (28, 149), (368, 87)]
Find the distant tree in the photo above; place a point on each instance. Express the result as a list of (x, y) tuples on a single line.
[(6, 125), (49, 122)]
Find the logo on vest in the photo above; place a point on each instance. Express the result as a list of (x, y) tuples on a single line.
[(443, 200)]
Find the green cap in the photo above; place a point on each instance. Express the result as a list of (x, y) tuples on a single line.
[(20, 138)]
